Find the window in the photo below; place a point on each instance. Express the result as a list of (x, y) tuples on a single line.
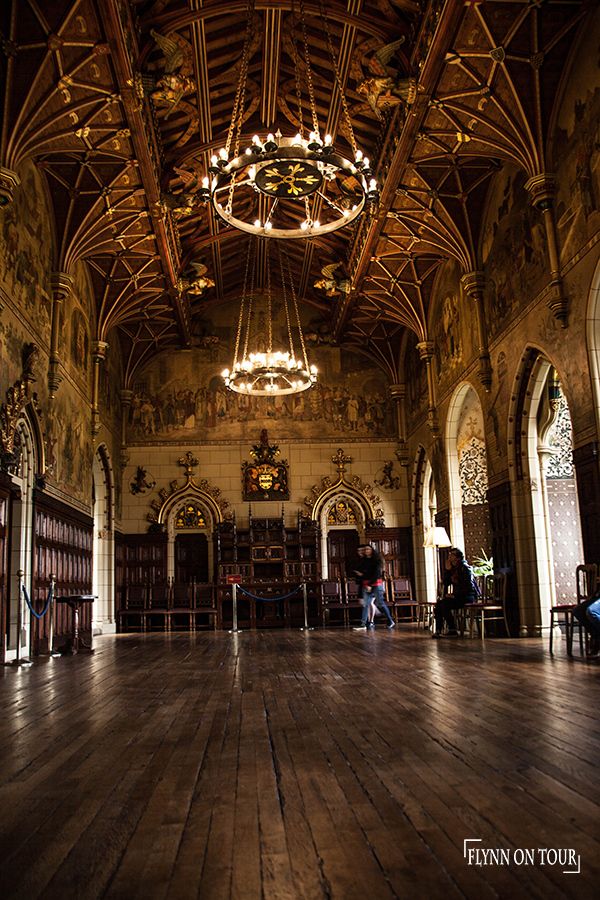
[(191, 515)]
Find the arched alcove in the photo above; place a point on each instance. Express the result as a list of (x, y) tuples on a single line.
[(467, 473), (191, 519), (424, 508)]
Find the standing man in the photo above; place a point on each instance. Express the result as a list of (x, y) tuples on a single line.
[(370, 576), (459, 589)]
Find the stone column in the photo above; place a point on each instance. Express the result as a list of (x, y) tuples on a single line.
[(542, 190), (425, 349), (99, 349), (61, 285), (398, 395), (473, 284)]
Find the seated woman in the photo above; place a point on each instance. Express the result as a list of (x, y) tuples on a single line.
[(460, 588)]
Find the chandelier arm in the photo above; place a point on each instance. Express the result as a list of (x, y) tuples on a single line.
[(309, 79), (285, 299), (338, 79)]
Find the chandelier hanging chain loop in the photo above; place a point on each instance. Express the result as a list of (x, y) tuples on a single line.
[(309, 77), (297, 314), (285, 302), (238, 336), (338, 79)]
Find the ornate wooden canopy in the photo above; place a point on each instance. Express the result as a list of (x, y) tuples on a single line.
[(121, 103)]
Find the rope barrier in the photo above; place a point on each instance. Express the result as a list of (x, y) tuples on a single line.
[(47, 606), (268, 599)]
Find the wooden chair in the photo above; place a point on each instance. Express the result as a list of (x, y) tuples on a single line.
[(353, 597), (132, 615), (586, 577), (332, 599), (426, 609), (157, 607), (180, 611), (204, 606), (399, 593), (491, 607)]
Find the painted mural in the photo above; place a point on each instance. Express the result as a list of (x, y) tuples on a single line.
[(416, 379), (26, 249), (451, 323), (576, 149), (68, 447), (182, 397), (513, 249), (470, 448)]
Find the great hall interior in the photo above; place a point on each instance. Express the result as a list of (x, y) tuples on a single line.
[(279, 278)]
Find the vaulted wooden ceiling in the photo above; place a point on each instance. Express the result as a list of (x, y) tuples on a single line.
[(470, 86)]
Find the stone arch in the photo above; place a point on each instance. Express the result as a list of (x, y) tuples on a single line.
[(343, 493), (190, 493), (467, 472), (531, 418), (424, 504)]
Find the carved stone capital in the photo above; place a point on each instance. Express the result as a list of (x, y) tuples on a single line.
[(542, 190), (126, 397), (61, 284), (402, 453), (99, 349), (473, 284), (397, 391), (426, 349), (8, 182), (558, 303)]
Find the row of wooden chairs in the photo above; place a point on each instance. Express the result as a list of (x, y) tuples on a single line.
[(344, 595), (171, 606), (490, 608)]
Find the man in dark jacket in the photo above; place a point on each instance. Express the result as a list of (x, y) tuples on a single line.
[(459, 589), (370, 576)]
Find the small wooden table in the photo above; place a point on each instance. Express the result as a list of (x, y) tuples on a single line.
[(76, 601)]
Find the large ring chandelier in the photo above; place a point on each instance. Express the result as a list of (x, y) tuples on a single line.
[(268, 372), (289, 186)]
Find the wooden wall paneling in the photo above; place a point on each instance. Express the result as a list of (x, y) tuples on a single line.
[(396, 547), (5, 507), (62, 546)]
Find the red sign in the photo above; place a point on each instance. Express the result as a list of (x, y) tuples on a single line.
[(234, 579)]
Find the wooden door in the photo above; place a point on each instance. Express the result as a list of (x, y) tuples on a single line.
[(191, 558), (341, 552)]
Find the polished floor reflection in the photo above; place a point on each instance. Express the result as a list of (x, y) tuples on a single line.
[(323, 764)]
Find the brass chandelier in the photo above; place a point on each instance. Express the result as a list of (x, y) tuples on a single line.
[(268, 372), (289, 186)]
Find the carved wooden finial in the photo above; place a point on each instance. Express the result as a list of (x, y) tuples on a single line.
[(340, 460)]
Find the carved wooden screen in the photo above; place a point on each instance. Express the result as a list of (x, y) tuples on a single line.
[(62, 547), (395, 546), (145, 558)]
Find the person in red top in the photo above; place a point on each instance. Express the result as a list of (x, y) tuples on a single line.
[(370, 576)]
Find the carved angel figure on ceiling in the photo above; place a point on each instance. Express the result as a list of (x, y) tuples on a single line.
[(176, 80), (378, 78), (194, 281), (333, 285), (184, 202)]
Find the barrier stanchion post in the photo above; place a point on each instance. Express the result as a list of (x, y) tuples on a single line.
[(20, 661), (51, 650), (235, 619), (306, 626)]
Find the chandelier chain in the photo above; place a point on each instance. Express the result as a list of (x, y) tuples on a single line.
[(250, 300), (297, 75), (297, 314), (309, 78), (237, 116), (338, 79), (269, 305), (285, 302), (238, 336)]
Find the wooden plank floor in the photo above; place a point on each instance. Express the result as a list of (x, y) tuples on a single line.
[(328, 764)]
